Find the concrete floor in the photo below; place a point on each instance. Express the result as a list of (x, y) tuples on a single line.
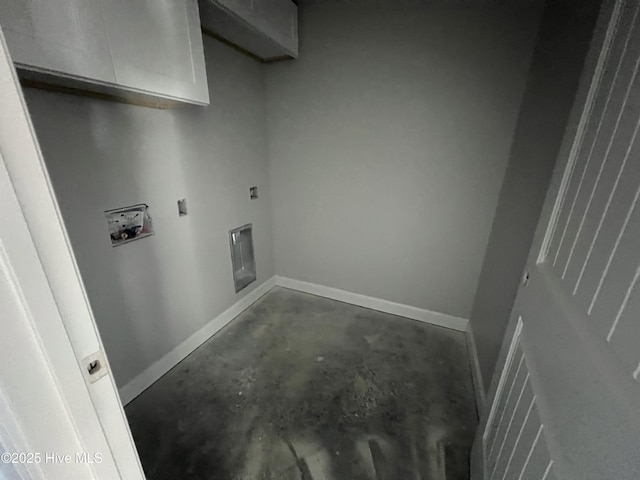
[(299, 387)]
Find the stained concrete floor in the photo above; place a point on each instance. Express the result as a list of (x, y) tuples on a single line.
[(299, 387)]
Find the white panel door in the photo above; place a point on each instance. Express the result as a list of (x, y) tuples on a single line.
[(566, 403), (49, 401), (36, 416)]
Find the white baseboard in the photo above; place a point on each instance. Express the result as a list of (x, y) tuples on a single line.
[(414, 313), (476, 373), (145, 379)]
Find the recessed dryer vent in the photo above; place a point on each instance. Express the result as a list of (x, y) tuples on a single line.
[(244, 264)]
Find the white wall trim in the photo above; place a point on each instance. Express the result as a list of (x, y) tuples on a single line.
[(476, 373), (145, 379), (407, 311)]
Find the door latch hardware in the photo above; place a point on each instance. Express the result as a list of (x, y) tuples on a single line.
[(95, 367)]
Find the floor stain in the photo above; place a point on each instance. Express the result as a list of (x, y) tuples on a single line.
[(299, 387)]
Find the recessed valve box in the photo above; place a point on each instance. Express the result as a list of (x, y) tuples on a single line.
[(242, 259)]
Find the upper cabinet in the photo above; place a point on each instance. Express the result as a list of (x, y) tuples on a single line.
[(144, 51), (268, 29)]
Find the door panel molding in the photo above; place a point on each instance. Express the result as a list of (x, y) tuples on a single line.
[(514, 441), (578, 355), (576, 137)]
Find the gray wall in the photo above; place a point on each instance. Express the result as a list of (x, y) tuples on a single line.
[(563, 42), (388, 142), (150, 295)]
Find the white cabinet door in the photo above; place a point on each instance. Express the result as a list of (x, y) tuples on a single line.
[(156, 46), (278, 19), (243, 8), (64, 36), (137, 50), (267, 29)]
